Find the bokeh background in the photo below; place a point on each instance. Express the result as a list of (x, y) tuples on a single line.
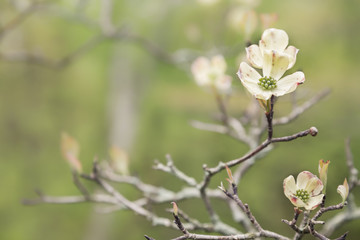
[(126, 92)]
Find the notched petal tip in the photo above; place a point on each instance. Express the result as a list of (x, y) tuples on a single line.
[(254, 56), (276, 39), (301, 78)]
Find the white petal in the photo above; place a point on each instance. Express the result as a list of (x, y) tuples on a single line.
[(249, 78), (247, 73), (303, 178), (292, 52), (314, 186), (275, 64), (314, 202), (264, 95), (254, 56), (200, 65), (297, 202), (200, 69), (274, 39), (289, 186), (218, 64), (289, 83), (223, 84)]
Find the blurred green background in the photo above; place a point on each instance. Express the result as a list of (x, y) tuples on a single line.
[(38, 102)]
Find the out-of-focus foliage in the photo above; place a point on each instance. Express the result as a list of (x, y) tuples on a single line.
[(37, 103)]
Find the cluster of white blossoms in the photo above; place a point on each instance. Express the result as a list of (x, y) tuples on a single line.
[(210, 73), (274, 57)]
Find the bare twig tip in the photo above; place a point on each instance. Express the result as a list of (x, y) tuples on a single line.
[(313, 131)]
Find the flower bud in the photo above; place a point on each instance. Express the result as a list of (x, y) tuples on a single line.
[(323, 168), (70, 150), (230, 179), (175, 208), (119, 160), (343, 190)]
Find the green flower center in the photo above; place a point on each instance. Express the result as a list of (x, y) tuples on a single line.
[(267, 83), (303, 195)]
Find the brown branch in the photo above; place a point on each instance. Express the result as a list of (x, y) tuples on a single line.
[(312, 131), (321, 211), (292, 223), (19, 19), (307, 224), (180, 225), (269, 117), (194, 222), (245, 208), (304, 226), (149, 238)]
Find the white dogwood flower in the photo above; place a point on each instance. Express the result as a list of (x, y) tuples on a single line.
[(210, 73), (263, 87), (274, 59), (305, 192)]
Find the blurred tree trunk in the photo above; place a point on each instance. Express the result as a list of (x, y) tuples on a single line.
[(125, 93)]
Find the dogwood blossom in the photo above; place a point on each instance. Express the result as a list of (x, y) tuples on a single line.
[(305, 192), (263, 87), (210, 73), (274, 59)]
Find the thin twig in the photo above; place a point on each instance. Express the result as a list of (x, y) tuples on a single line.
[(245, 208), (312, 131), (303, 228), (321, 211), (297, 111), (172, 169), (149, 238), (79, 185), (97, 198), (19, 19)]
